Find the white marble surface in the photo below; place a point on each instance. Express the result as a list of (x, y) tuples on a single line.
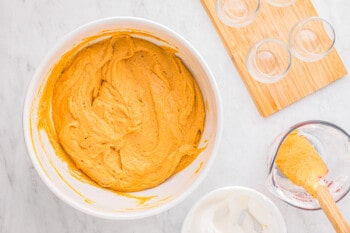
[(30, 28)]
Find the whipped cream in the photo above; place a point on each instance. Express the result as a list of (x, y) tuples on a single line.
[(236, 210)]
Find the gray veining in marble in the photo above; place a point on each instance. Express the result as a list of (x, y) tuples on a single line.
[(30, 28)]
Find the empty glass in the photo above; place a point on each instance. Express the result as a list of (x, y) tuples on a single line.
[(311, 39), (237, 13), (268, 60), (333, 144)]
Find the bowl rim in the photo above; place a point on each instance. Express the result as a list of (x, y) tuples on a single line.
[(117, 215), (255, 193), (284, 136)]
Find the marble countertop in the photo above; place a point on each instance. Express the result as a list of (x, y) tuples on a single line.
[(30, 28)]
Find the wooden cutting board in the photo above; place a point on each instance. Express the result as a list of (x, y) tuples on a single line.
[(303, 79)]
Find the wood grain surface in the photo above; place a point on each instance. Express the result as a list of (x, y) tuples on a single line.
[(303, 79)]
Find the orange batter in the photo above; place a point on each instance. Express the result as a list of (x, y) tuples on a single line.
[(299, 161), (127, 112)]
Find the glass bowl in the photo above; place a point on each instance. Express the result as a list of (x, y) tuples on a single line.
[(333, 145), (237, 13), (269, 60), (311, 39)]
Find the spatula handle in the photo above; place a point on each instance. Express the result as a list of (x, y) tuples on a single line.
[(331, 210)]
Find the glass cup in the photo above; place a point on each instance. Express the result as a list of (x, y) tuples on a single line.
[(281, 3), (237, 13), (333, 144), (311, 39), (268, 60)]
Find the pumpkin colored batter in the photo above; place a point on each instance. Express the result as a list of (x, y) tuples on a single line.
[(127, 112), (299, 161)]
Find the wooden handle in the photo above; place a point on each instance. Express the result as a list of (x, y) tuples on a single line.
[(331, 210)]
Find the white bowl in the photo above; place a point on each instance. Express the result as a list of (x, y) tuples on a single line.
[(229, 209), (101, 202)]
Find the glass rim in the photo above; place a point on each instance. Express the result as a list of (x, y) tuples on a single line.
[(276, 4)]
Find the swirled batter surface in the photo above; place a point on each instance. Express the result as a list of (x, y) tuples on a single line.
[(127, 112)]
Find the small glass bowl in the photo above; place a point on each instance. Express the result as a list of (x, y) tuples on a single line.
[(237, 13), (311, 39), (333, 145), (268, 60)]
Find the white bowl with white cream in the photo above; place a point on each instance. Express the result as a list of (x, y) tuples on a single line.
[(234, 209)]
